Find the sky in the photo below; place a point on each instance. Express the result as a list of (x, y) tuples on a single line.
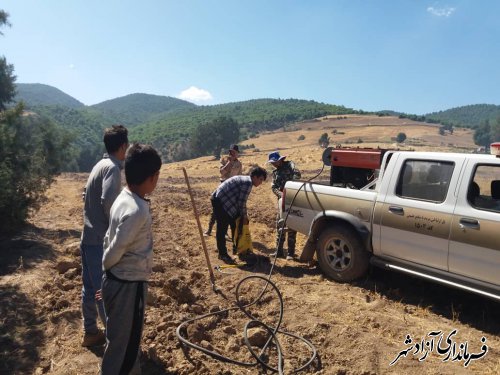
[(412, 56)]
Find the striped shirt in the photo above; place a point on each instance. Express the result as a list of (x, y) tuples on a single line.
[(233, 194)]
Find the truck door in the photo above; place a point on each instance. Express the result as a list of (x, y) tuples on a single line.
[(415, 218), (475, 237)]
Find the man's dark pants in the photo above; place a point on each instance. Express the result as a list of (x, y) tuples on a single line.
[(223, 222), (280, 238)]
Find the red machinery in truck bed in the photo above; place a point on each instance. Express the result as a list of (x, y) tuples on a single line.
[(353, 167)]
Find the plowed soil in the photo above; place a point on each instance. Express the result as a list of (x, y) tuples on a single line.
[(356, 328)]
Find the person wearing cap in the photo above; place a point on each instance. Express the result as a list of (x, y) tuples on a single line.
[(283, 171), (230, 166)]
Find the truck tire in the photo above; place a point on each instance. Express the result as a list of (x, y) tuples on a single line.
[(341, 254)]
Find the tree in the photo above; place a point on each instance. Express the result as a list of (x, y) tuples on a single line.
[(4, 19), (212, 137), (32, 151), (324, 140), (482, 135), (495, 131), (7, 78), (401, 137)]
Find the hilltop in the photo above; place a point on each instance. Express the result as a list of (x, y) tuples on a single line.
[(37, 94), (135, 109), (470, 116)]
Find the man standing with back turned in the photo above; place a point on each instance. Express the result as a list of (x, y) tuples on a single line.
[(103, 186)]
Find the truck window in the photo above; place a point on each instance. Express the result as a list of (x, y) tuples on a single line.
[(425, 180), (484, 188)]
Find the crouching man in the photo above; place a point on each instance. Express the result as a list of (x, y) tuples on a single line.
[(229, 202)]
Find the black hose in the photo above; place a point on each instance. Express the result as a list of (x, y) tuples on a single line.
[(272, 331)]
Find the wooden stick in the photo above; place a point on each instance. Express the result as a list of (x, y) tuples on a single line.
[(212, 276)]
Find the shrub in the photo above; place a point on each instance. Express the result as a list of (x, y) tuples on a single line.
[(32, 151), (401, 137), (324, 140)]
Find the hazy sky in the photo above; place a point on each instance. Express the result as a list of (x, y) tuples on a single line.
[(413, 56)]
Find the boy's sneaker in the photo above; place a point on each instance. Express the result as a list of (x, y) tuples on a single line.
[(289, 257), (94, 339), (207, 233)]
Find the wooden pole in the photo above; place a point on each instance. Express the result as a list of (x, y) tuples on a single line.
[(200, 230)]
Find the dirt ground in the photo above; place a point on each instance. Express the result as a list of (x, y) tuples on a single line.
[(356, 328)]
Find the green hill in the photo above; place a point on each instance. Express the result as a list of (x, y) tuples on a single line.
[(36, 94), (469, 116), (173, 129), (168, 123), (135, 109), (86, 126)]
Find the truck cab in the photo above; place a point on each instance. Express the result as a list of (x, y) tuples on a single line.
[(440, 214)]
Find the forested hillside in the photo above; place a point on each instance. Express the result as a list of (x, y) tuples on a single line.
[(169, 123), (136, 109), (36, 94), (469, 116), (85, 126), (172, 131)]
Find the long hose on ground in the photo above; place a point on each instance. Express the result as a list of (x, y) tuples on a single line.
[(272, 341)]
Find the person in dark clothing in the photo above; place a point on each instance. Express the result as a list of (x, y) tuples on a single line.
[(283, 171)]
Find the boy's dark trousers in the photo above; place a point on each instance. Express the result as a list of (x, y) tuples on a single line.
[(124, 303), (223, 222)]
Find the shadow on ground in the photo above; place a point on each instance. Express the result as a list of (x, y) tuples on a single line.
[(453, 304), (151, 367), (26, 248), (292, 268), (20, 332), (20, 336)]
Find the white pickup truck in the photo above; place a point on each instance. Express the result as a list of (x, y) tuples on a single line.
[(432, 215)]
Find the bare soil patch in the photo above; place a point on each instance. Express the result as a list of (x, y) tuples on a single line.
[(357, 328)]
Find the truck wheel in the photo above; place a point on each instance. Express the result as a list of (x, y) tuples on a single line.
[(341, 254)]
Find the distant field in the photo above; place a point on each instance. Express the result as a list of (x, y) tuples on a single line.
[(373, 131)]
